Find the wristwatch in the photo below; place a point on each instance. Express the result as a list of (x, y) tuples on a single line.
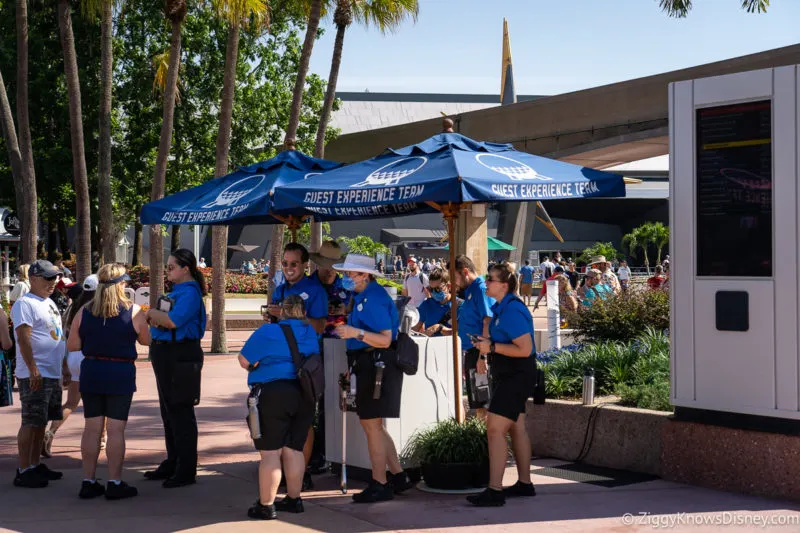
[(361, 335), (491, 347)]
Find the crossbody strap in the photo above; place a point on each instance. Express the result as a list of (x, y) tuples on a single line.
[(292, 341)]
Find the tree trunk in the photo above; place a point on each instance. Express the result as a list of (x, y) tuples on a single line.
[(219, 234), (28, 210), (276, 243), (160, 174), (52, 236), (137, 243), (107, 230), (84, 245), (175, 240), (324, 117), (10, 137), (63, 241)]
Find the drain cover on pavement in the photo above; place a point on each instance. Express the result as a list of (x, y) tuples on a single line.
[(594, 475)]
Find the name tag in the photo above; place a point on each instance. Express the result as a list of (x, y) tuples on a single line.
[(497, 322), (469, 297), (342, 294), (304, 295), (360, 307)]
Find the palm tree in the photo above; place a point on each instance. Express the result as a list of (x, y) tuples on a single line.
[(681, 8), (387, 15), (10, 137), (82, 210), (660, 234), (630, 243), (250, 14), (107, 228), (645, 236), (27, 201), (175, 13), (290, 140)]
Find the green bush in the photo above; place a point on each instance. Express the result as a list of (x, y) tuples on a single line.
[(621, 318), (383, 282), (449, 442), (637, 371)]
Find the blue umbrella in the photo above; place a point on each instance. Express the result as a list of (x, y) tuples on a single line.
[(441, 173), (242, 197), (446, 169)]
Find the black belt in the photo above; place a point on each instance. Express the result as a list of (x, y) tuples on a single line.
[(182, 341)]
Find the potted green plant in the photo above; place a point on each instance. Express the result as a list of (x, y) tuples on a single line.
[(450, 455)]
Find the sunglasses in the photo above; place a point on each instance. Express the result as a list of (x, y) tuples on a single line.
[(52, 278)]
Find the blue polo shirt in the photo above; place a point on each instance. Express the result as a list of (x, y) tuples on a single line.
[(477, 306), (373, 311), (267, 346), (527, 274), (312, 293), (188, 314), (511, 320), (335, 290), (432, 312)]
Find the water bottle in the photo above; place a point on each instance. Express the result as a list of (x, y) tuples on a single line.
[(252, 417), (588, 386)]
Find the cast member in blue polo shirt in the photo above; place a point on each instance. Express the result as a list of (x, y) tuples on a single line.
[(371, 330), (295, 263), (435, 318), (176, 356), (329, 254), (512, 364), (284, 414), (473, 319)]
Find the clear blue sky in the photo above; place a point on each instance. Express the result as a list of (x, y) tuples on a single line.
[(557, 45)]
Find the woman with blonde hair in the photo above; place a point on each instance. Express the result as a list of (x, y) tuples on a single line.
[(106, 331), (23, 285), (566, 296)]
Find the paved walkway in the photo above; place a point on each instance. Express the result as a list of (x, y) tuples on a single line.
[(227, 486)]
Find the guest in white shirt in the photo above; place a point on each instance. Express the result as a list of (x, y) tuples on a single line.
[(624, 275)]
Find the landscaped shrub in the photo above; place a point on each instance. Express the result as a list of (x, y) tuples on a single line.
[(621, 318), (637, 371)]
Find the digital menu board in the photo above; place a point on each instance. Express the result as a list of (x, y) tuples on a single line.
[(734, 190)]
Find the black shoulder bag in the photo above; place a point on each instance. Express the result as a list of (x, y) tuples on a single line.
[(310, 371)]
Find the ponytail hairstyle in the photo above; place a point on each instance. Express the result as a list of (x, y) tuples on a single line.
[(507, 273), (185, 258)]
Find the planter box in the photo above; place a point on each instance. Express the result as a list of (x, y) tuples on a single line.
[(456, 476), (624, 438)]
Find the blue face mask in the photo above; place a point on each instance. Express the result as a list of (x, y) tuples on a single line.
[(437, 296), (348, 283)]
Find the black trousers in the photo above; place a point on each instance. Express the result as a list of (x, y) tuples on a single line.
[(180, 423)]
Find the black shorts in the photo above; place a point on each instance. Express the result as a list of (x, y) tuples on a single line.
[(510, 393), (285, 416), (116, 406), (471, 363), (42, 405), (388, 405)]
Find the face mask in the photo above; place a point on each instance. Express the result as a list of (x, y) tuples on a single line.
[(348, 283), (438, 296)]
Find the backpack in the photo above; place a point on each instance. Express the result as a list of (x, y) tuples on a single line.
[(310, 372)]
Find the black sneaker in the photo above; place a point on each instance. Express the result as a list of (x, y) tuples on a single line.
[(164, 471), (46, 473), (121, 491), (400, 482), (308, 483), (290, 505), (375, 492), (262, 512), (91, 490), (488, 498), (519, 489), (30, 479)]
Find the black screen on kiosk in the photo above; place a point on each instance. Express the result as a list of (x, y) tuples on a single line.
[(734, 190)]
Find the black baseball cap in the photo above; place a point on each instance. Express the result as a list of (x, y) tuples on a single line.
[(559, 268), (44, 269)]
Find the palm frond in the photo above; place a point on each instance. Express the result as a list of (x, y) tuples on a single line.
[(676, 8), (755, 6), (249, 14), (386, 15), (161, 65)]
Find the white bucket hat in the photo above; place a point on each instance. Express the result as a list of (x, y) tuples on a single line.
[(358, 263)]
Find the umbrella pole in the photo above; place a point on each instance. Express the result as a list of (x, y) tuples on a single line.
[(451, 214)]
